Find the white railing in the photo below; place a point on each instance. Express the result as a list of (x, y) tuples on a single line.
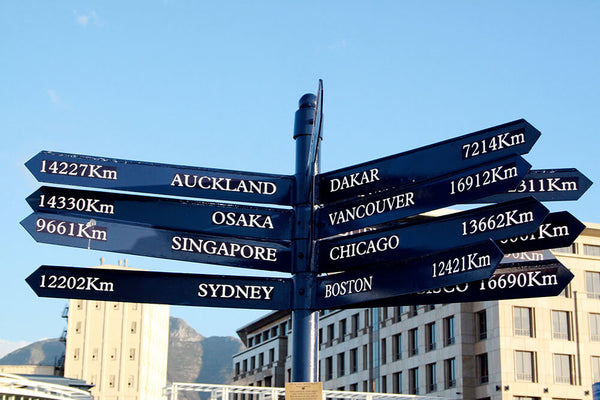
[(230, 392), (17, 386)]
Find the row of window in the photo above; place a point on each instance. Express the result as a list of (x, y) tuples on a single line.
[(562, 324), (243, 367), (578, 248), (111, 356), (267, 334), (564, 367)]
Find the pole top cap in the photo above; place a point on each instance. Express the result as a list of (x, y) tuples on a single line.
[(309, 100)]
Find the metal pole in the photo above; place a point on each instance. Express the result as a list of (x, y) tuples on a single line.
[(304, 320)]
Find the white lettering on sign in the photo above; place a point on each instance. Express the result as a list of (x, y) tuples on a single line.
[(484, 178), (364, 247), (520, 279), (76, 203), (71, 229), (496, 221), (223, 184), (241, 219), (526, 256), (350, 286), (352, 180), (212, 247), (228, 291), (494, 143), (546, 185), (545, 231), (88, 284), (460, 264), (78, 169), (372, 208)]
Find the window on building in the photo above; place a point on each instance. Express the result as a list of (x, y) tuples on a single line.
[(561, 325), (397, 382), (569, 249), (384, 384), (365, 357), (595, 327), (353, 360), (525, 366), (76, 354), (133, 327), (523, 321), (431, 377), (353, 387), (111, 381), (132, 354), (341, 364), (482, 368), (449, 373), (261, 360), (274, 331), (329, 368), (563, 368), (130, 380), (413, 381), (430, 336), (265, 335), (330, 334), (268, 381), (355, 324), (430, 307), (412, 311), (481, 325), (245, 366), (413, 342), (397, 347), (591, 250), (237, 368), (342, 330), (250, 342), (595, 369), (252, 363), (320, 336), (384, 314), (397, 313), (592, 284), (449, 334), (271, 356)]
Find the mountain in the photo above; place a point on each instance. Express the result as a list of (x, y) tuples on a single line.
[(193, 358), (44, 352)]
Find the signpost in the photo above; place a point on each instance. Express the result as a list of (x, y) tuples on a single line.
[(154, 242), (193, 216), (173, 180), (126, 285), (397, 203), (400, 258), (496, 222), (545, 185)]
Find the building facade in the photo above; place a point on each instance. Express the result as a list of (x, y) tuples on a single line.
[(522, 349), (120, 348)]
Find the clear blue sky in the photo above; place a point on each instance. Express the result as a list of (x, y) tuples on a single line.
[(216, 84)]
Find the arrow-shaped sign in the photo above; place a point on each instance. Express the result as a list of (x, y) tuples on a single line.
[(124, 285), (509, 281), (153, 242), (427, 162), (509, 219), (559, 229), (175, 180), (394, 204), (545, 185), (446, 268), (183, 215)]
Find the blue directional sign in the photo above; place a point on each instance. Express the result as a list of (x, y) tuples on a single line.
[(175, 180), (103, 235), (390, 205), (510, 281), (509, 219), (193, 216), (406, 276), (559, 229), (134, 286), (545, 185), (427, 162)]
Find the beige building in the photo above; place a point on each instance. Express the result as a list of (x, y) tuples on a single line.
[(525, 349), (120, 348)]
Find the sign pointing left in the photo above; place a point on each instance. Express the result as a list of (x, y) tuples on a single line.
[(153, 242), (175, 180), (161, 287)]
